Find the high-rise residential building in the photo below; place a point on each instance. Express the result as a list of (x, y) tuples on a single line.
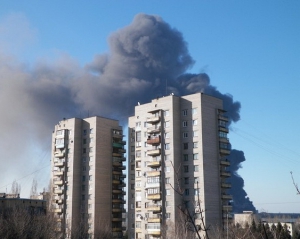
[(177, 155), (87, 178)]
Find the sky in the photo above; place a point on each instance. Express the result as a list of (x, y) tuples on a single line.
[(53, 51)]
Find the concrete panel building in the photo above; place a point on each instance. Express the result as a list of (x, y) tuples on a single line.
[(87, 178), (177, 154)]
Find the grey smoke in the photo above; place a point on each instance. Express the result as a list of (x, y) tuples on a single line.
[(147, 58)]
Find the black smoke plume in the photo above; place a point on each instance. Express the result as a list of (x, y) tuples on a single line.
[(147, 59)]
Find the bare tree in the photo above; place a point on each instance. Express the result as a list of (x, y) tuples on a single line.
[(33, 190), (15, 188), (193, 220)]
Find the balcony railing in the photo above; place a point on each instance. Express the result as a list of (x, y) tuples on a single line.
[(153, 152), (156, 196), (154, 232), (224, 118), (152, 130), (153, 120), (225, 163), (226, 185), (59, 154), (58, 182), (224, 151), (227, 208), (153, 141), (58, 173), (153, 173), (154, 208), (225, 174), (154, 164), (226, 197), (223, 129), (154, 219)]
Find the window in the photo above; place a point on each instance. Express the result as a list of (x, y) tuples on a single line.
[(185, 134), (185, 145), (82, 197), (153, 191), (168, 215), (83, 178), (194, 111), (90, 196), (196, 168), (185, 157), (195, 122), (138, 225), (184, 123), (196, 191), (186, 180), (138, 184), (168, 192), (91, 131), (132, 148), (138, 154), (132, 186), (222, 134), (166, 113), (184, 112), (167, 124), (167, 135), (185, 168), (167, 146), (222, 123), (167, 168), (84, 141), (195, 133), (138, 136), (90, 177), (155, 179), (84, 132), (167, 180), (84, 150), (196, 180), (195, 156), (145, 124), (167, 157), (138, 124), (91, 149), (186, 192), (195, 145), (89, 206), (132, 176), (83, 187), (83, 168)]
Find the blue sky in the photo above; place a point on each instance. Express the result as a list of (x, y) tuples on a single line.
[(250, 49)]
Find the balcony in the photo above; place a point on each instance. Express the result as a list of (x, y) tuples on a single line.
[(117, 155), (227, 208), (58, 173), (226, 185), (115, 181), (117, 134), (153, 173), (153, 185), (57, 210), (117, 229), (153, 130), (154, 208), (225, 151), (58, 182), (225, 174), (226, 197), (154, 232), (118, 145), (223, 140), (153, 120), (154, 220), (153, 152), (156, 196), (58, 191), (153, 141), (115, 172), (225, 162), (224, 118), (117, 210), (116, 219), (154, 164), (223, 129), (122, 150), (59, 164), (117, 191), (59, 154)]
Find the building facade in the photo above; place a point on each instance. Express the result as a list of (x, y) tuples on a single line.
[(87, 178), (177, 162)]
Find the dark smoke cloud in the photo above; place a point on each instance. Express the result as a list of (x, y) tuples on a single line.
[(147, 59)]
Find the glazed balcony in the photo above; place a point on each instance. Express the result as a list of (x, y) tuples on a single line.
[(227, 208), (226, 185), (154, 220), (223, 129), (153, 120), (153, 152), (153, 130), (58, 191), (153, 173), (226, 197), (57, 210), (154, 232), (225, 163), (59, 154), (154, 208), (156, 196), (58, 182), (225, 174), (59, 164), (224, 151), (154, 141), (58, 173), (223, 140), (222, 117)]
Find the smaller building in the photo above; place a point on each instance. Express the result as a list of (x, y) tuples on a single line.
[(10, 202), (245, 218)]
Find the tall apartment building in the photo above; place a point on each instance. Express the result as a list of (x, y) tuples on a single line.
[(177, 153), (87, 178)]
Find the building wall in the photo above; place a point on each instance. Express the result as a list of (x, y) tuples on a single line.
[(189, 128)]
